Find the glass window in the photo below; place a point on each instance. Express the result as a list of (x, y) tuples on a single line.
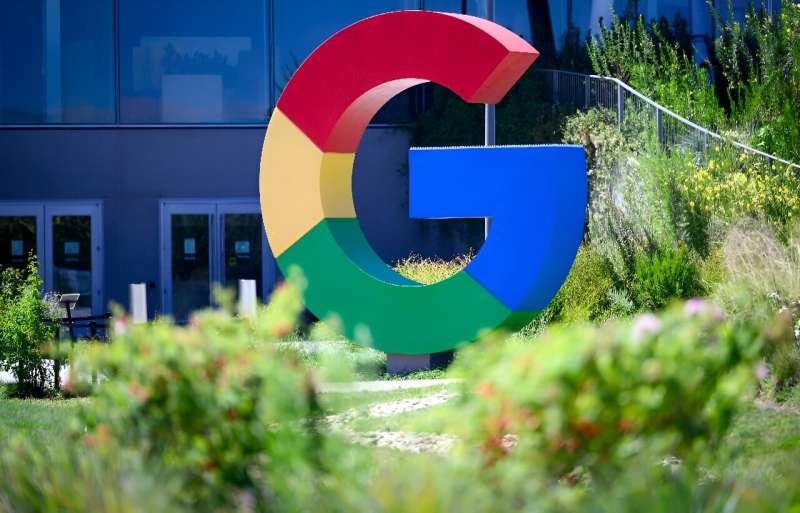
[(72, 258), (301, 25), (17, 240), (191, 270), (512, 14), (456, 6), (193, 61), (56, 61), (242, 250)]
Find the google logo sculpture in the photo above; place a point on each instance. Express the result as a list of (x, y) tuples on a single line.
[(535, 195)]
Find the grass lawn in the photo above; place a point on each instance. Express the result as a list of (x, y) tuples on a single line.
[(45, 420), (764, 443), (38, 420)]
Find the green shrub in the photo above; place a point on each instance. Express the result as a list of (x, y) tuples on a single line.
[(598, 398), (23, 330), (215, 405), (635, 203), (589, 293), (665, 275), (650, 60), (758, 59), (585, 293)]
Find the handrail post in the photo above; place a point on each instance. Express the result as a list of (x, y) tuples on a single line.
[(659, 127), (555, 87), (619, 106), (587, 91)]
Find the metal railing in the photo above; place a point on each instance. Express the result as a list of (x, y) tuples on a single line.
[(671, 129)]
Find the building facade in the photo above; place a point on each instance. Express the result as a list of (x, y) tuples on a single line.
[(131, 131)]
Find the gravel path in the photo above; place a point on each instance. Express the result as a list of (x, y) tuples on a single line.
[(410, 442), (384, 386), (391, 408)]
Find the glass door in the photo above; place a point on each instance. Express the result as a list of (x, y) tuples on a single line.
[(21, 234), (74, 254), (211, 242), (242, 238), (66, 237), (188, 263)]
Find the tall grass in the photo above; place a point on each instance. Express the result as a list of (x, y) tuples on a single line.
[(764, 278), (762, 269), (428, 271)]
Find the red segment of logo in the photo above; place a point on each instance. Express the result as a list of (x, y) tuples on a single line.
[(335, 93)]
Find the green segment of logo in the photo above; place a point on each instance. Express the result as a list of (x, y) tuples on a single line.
[(348, 282)]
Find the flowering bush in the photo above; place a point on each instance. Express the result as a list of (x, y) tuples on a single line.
[(729, 187), (596, 397), (212, 403)]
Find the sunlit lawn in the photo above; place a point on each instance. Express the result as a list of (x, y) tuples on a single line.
[(38, 420)]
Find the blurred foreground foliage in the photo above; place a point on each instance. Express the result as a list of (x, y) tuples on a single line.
[(220, 416)]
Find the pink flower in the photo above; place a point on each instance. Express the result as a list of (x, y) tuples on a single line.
[(699, 306), (762, 371), (694, 306), (120, 324), (644, 325)]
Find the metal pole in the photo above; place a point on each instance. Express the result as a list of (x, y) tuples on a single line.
[(488, 119)]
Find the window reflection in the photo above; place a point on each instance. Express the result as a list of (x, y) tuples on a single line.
[(72, 258), (193, 61), (242, 250), (191, 271), (456, 6), (56, 61), (301, 25), (17, 240)]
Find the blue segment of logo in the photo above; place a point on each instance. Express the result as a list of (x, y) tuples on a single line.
[(536, 199)]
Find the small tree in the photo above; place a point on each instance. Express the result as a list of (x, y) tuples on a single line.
[(23, 328)]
